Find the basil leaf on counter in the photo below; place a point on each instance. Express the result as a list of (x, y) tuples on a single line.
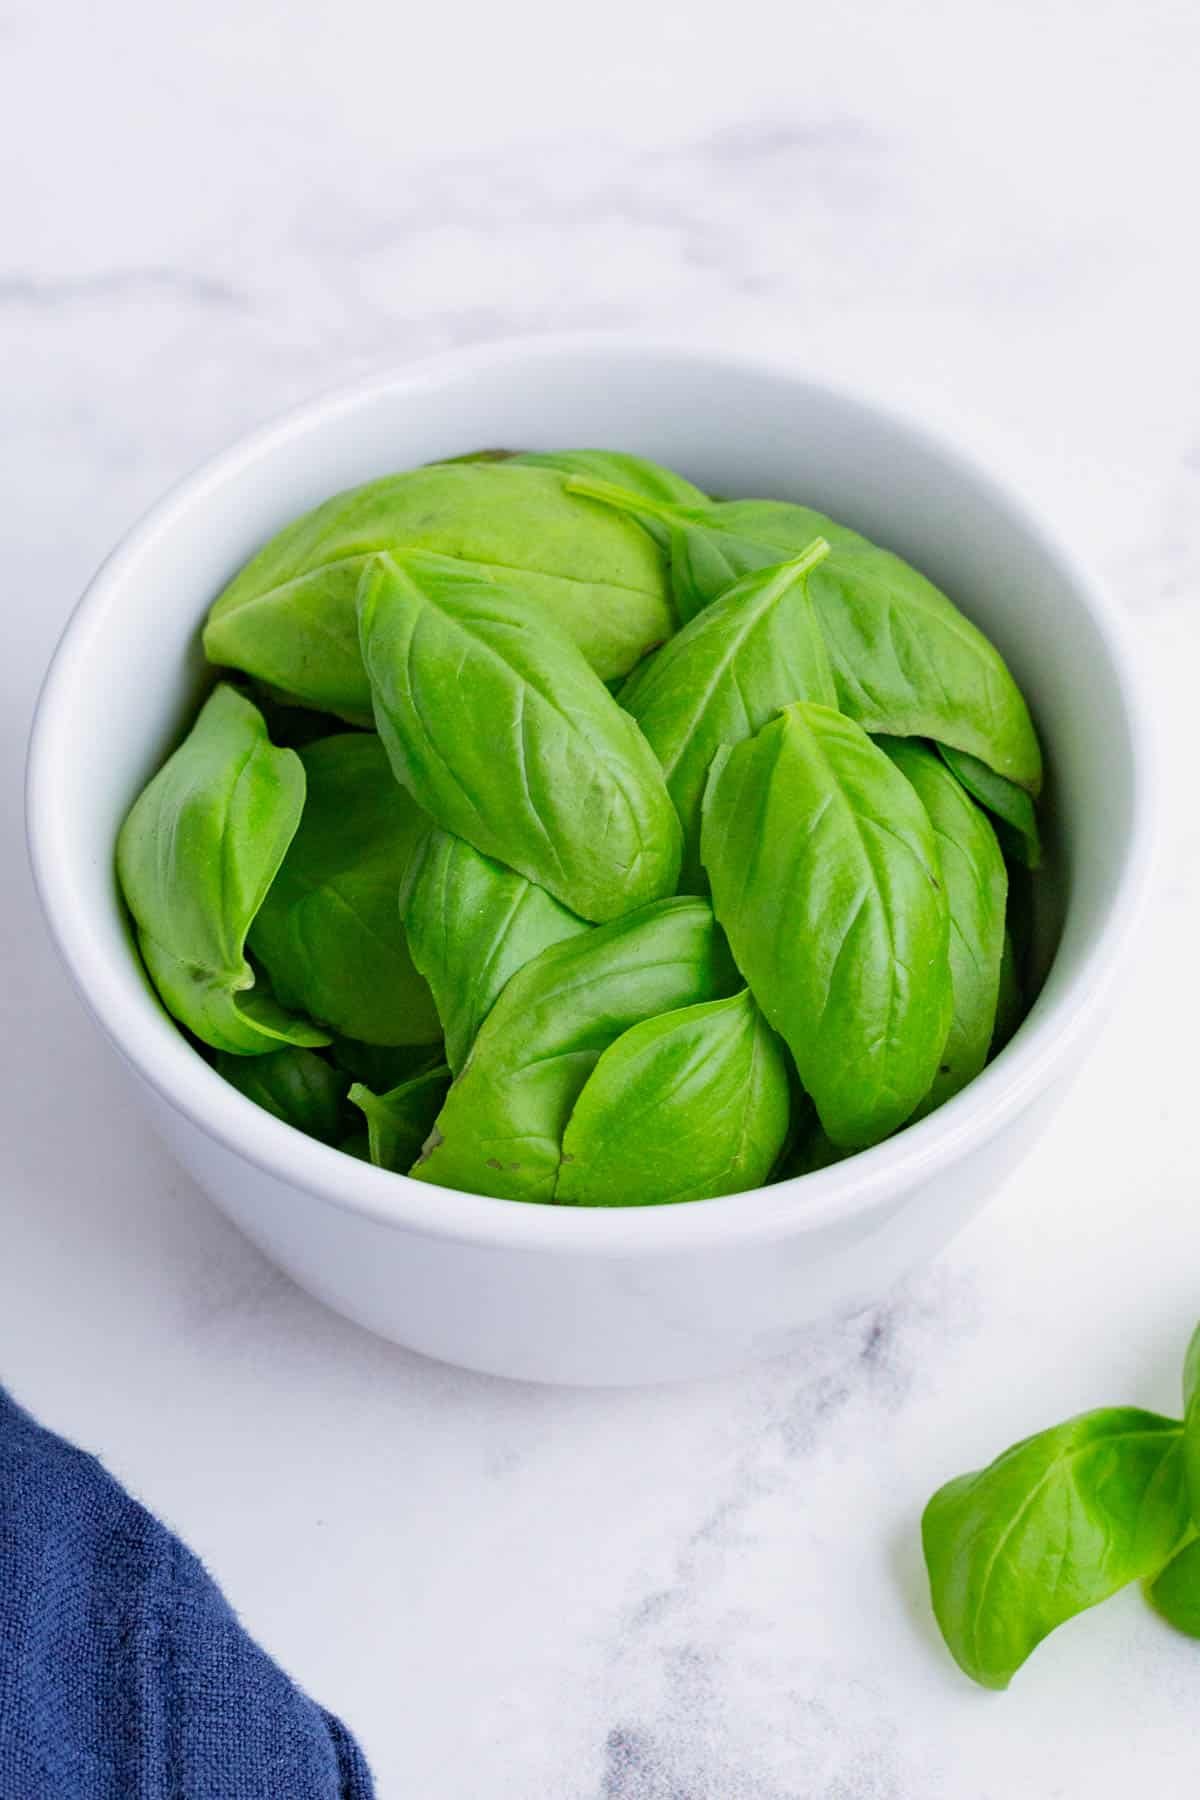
[(501, 1129), (288, 617), (685, 1106), (976, 884), (545, 772), (471, 925), (723, 676), (1012, 808), (195, 858), (825, 876), (298, 1086), (399, 1121), (1054, 1526), (329, 933), (906, 661)]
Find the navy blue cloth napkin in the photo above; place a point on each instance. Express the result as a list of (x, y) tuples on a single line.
[(124, 1674)]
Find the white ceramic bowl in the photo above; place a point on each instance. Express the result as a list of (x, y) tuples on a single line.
[(593, 1296)]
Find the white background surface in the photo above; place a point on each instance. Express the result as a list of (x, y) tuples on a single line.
[(711, 1593)]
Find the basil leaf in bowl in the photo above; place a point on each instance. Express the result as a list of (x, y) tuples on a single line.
[(1011, 807), (685, 1106), (471, 925), (725, 675), (329, 932), (826, 877), (196, 857), (547, 773), (976, 884)]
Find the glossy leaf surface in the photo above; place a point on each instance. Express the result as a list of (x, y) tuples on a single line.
[(501, 1129), (195, 858), (976, 884), (472, 923), (722, 677), (1055, 1525), (685, 1106), (544, 772), (1011, 806), (825, 876)]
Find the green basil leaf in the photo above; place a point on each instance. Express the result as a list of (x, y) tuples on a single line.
[(724, 676), (906, 661), (195, 858), (298, 1086), (329, 933), (399, 1121), (471, 925), (384, 1066), (685, 1106), (501, 1129), (1175, 1594), (541, 769), (288, 617), (1011, 806), (1055, 1525), (825, 876), (976, 883)]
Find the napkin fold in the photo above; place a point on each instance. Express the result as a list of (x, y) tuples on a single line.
[(124, 1674)]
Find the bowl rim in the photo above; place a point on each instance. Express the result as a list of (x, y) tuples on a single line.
[(123, 1006)]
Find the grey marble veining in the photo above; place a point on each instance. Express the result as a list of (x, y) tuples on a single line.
[(710, 1593)]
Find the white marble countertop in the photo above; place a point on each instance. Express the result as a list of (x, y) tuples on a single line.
[(711, 1593)]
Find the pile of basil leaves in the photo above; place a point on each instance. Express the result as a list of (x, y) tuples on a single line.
[(561, 834)]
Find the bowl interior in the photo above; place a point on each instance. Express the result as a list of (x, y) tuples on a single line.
[(129, 669)]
